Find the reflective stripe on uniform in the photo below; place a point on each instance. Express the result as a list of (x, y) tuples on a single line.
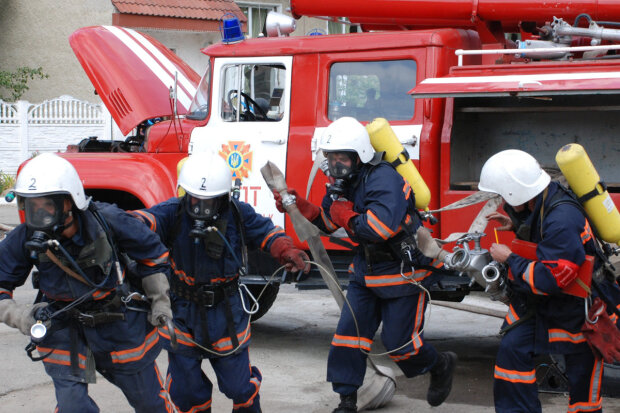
[(327, 222), (388, 280), (7, 292), (353, 342), (134, 354), (416, 340), (559, 335), (515, 376), (379, 227), (586, 235), (511, 316), (162, 259), (276, 230), (250, 401), (181, 274), (149, 217), (62, 357), (225, 343), (528, 277)]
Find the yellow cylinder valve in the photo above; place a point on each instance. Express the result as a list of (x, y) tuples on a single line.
[(383, 139), (586, 183), (180, 191)]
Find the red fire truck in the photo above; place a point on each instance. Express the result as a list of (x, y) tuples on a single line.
[(485, 76)]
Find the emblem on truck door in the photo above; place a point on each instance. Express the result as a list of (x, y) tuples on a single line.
[(239, 158)]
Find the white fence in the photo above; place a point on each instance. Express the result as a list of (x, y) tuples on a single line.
[(26, 128)]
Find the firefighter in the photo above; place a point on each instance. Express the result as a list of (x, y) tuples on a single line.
[(207, 231), (542, 319), (76, 244), (375, 206)]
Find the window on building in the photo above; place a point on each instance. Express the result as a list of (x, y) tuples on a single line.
[(368, 90), (256, 15), (253, 92), (337, 27)]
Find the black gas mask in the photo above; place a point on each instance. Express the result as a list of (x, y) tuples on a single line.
[(45, 218), (343, 167), (45, 213), (205, 212)]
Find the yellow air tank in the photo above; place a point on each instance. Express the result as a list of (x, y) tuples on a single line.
[(383, 139), (180, 191), (584, 180)]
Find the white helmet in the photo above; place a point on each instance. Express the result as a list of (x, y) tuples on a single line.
[(346, 134), (515, 175), (49, 174), (205, 175), (207, 179)]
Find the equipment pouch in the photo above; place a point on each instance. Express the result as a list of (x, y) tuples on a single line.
[(214, 244), (601, 333)]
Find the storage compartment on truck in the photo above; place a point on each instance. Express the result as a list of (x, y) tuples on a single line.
[(539, 125)]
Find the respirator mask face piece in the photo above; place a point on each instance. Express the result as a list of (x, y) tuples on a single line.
[(44, 213), (341, 165), (208, 209)]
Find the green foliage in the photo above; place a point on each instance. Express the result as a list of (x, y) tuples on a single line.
[(6, 181), (16, 83)]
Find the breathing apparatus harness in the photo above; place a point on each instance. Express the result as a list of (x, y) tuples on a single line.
[(93, 313), (207, 295), (402, 247)]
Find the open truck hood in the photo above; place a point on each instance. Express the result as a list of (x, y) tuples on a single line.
[(522, 81), (133, 73)]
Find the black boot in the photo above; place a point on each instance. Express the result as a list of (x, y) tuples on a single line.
[(441, 378), (348, 404)]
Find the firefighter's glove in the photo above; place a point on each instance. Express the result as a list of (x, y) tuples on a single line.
[(603, 336), (307, 209), (20, 316), (564, 272), (341, 213), (428, 245), (156, 288), (283, 249)]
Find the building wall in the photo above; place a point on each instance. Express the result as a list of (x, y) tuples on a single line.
[(36, 33)]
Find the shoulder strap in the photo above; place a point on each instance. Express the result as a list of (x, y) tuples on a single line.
[(236, 212)]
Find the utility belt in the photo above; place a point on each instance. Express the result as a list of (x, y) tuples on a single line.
[(401, 247), (205, 295), (94, 313)]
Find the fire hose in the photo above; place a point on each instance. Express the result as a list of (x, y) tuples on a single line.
[(379, 383)]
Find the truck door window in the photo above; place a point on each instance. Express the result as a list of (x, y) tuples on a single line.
[(252, 92), (368, 90), (199, 109)]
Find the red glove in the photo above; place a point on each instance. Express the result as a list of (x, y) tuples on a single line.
[(283, 249), (603, 336), (307, 209), (564, 272), (341, 213)]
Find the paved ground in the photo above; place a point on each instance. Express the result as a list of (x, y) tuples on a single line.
[(290, 345)]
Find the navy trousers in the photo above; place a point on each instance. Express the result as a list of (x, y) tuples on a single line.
[(515, 389), (144, 391), (402, 317), (191, 390)]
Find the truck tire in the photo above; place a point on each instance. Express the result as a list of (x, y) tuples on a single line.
[(266, 300)]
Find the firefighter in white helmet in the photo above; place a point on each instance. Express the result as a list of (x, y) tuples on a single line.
[(542, 318), (207, 231), (372, 202), (85, 325)]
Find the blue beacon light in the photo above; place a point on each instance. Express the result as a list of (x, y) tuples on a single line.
[(230, 29)]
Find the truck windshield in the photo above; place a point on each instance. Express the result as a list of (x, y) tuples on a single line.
[(253, 92), (539, 125), (199, 109), (368, 90)]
